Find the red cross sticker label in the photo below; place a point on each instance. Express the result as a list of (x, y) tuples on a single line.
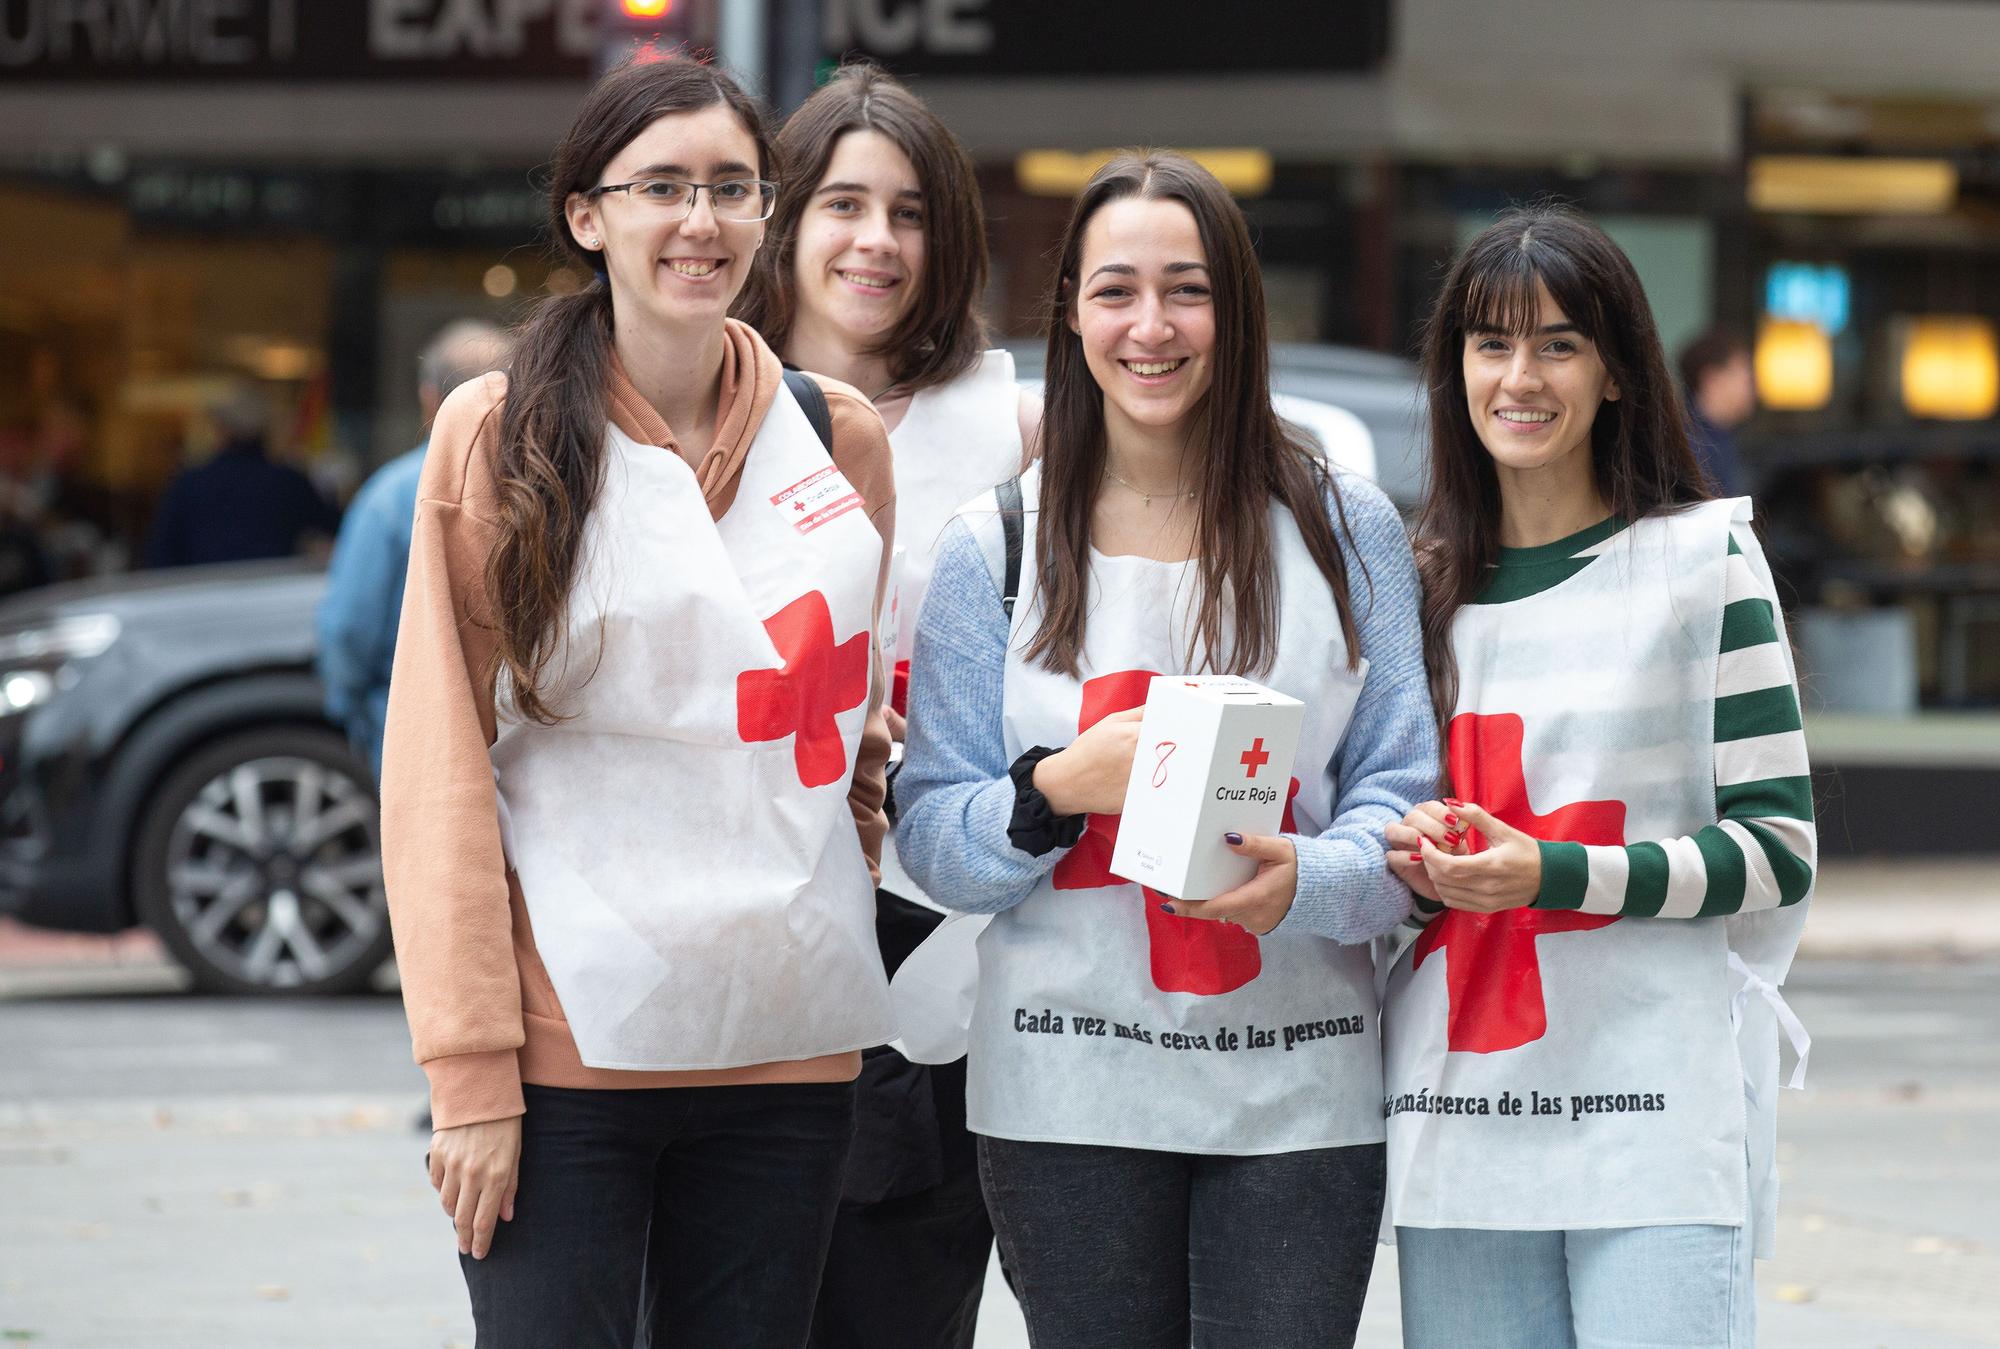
[(1493, 974), (818, 681), (1254, 758), (814, 500)]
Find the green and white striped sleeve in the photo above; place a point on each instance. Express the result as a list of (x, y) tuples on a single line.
[(1762, 850)]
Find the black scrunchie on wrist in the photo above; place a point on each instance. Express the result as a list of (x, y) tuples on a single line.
[(1035, 829)]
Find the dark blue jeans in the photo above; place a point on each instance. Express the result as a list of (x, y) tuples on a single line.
[(682, 1216), (1121, 1248)]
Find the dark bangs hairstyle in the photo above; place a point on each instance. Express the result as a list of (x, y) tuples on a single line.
[(1244, 453), (1639, 449), (942, 334), (550, 460)]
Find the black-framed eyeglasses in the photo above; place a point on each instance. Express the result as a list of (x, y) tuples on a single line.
[(742, 200)]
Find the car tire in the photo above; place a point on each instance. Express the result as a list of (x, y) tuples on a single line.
[(258, 863)]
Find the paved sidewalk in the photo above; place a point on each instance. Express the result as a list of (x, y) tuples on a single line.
[(239, 1172), (1871, 909), (1917, 909)]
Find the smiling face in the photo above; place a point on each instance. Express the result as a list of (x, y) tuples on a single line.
[(1145, 312), (1533, 397), (858, 264), (678, 270)]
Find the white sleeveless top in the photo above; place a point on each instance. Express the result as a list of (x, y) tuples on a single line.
[(1558, 1069), (956, 440), (684, 842), (1100, 1019)]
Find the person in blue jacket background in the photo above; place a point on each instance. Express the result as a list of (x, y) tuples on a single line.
[(1721, 385), (364, 584)]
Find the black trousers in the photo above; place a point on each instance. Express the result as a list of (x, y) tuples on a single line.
[(1123, 1248), (911, 1240), (680, 1216)]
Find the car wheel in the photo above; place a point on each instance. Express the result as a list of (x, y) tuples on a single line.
[(259, 865)]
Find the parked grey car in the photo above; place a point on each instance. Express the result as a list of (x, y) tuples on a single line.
[(164, 762)]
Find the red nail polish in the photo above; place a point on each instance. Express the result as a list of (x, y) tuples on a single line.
[(1416, 857), (1451, 819)]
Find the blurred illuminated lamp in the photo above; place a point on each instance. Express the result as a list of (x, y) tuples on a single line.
[(645, 30), (1794, 365), (1812, 292), (1063, 173), (1830, 185), (1951, 368)]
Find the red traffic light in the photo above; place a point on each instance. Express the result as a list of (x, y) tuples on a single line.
[(644, 31)]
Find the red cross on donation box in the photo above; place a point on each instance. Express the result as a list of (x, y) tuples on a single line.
[(1255, 758), (1187, 955), (818, 681), (1493, 976)]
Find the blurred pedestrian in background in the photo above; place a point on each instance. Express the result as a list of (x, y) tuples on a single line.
[(364, 583), (24, 560), (239, 505), (873, 272), (1721, 389)]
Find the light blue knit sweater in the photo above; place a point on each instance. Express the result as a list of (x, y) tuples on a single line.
[(956, 798)]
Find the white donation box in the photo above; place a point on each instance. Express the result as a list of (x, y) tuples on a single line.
[(1215, 756)]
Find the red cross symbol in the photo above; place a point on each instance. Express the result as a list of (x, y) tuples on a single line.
[(1188, 955), (899, 689), (1493, 978), (817, 682), (1255, 758)]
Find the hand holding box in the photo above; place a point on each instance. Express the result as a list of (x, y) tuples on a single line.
[(1215, 756)]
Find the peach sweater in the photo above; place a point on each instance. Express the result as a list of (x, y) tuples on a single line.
[(484, 1017)]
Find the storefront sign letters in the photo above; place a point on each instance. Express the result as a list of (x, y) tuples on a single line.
[(312, 39), (1000, 38)]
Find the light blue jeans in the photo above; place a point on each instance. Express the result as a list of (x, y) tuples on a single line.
[(1682, 1287)]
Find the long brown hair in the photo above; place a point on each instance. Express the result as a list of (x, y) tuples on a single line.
[(550, 460), (1247, 454), (942, 334), (1639, 451)]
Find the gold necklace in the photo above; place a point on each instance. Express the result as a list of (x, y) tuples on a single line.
[(1144, 495)]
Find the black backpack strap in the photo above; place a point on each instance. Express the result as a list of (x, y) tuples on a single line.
[(812, 399), (1009, 495)]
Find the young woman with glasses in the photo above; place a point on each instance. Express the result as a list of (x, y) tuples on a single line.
[(1581, 1047), (633, 778), (1178, 1103), (874, 272)]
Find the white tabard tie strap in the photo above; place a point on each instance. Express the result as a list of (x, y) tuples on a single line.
[(1788, 1020)]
